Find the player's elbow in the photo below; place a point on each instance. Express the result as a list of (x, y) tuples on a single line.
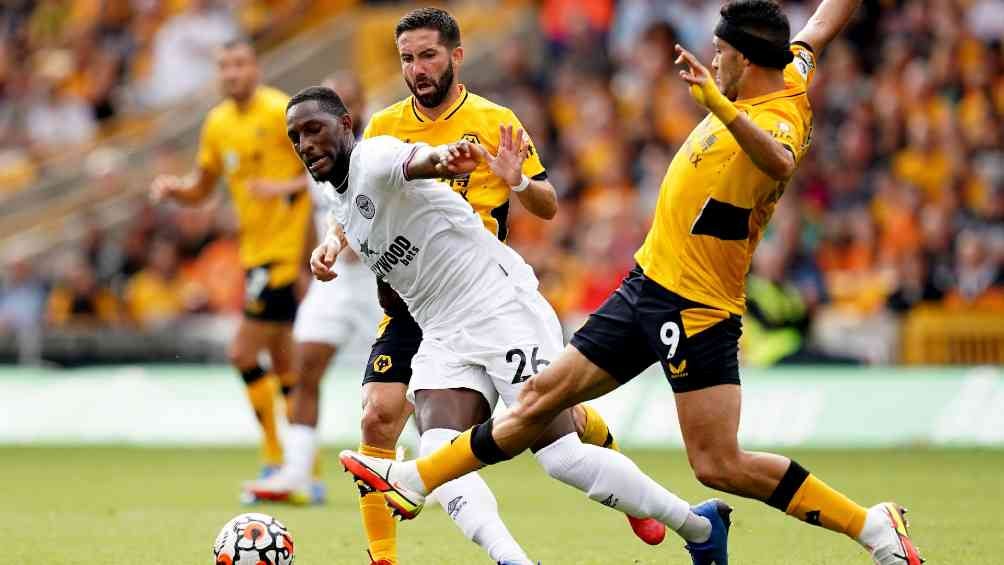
[(783, 167), (783, 173), (548, 211), (541, 199)]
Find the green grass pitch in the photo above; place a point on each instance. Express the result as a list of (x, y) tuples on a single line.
[(119, 506)]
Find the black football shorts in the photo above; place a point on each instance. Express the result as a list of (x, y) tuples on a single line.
[(266, 303), (392, 352), (642, 323)]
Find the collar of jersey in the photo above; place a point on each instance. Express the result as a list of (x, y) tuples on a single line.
[(448, 113), (786, 93)]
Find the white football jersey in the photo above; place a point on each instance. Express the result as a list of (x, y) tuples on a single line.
[(424, 240)]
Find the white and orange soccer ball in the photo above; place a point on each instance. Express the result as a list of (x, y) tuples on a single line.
[(253, 539)]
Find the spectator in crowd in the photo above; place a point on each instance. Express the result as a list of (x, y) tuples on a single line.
[(217, 268), (978, 274), (183, 60), (776, 324), (158, 294), (79, 300), (914, 284), (57, 119), (22, 297)]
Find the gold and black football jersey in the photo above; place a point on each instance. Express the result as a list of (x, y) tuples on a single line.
[(475, 119), (244, 144), (714, 203)]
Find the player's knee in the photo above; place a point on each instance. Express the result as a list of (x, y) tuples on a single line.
[(241, 358), (713, 468), (243, 351), (380, 421), (307, 389)]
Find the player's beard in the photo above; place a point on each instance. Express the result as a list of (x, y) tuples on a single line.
[(339, 172), (442, 90)]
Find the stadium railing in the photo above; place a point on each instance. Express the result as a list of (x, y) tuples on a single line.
[(939, 336)]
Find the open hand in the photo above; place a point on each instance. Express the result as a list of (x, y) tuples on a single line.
[(514, 147), (697, 76)]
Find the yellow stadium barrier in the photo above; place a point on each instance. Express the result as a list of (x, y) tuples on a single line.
[(939, 336)]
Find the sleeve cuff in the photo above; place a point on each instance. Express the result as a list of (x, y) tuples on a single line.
[(804, 44)]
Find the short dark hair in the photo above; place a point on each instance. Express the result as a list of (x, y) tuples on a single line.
[(762, 18), (240, 41), (327, 99), (431, 18)]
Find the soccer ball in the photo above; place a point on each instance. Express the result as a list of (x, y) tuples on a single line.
[(253, 539)]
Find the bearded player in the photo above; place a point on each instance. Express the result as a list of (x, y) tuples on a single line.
[(681, 305)]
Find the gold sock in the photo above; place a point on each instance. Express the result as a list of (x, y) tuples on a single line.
[(801, 495), (818, 503), (378, 522), (595, 430), (261, 393), (453, 460)]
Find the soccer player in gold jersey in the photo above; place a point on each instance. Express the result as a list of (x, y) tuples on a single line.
[(681, 305), (244, 141), (441, 110)]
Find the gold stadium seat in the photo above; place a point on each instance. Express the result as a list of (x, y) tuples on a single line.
[(939, 336)]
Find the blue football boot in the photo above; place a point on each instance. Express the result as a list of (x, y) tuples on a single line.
[(714, 551)]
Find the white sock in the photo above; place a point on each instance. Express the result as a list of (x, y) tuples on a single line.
[(695, 528), (300, 449), (472, 506), (406, 473), (613, 480), (877, 531)]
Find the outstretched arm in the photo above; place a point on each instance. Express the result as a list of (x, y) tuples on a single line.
[(828, 20), (767, 153), (267, 188), (442, 161), (189, 190)]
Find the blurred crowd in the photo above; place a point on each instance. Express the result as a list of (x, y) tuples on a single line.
[(166, 265), (68, 68), (900, 202)]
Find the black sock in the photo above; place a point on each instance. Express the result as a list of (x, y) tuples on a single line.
[(484, 447)]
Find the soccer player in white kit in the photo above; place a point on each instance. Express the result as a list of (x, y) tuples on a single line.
[(475, 299)]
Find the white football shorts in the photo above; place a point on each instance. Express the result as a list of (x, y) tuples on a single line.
[(493, 355), (337, 311)]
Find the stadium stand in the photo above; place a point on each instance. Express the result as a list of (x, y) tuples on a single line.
[(889, 239)]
